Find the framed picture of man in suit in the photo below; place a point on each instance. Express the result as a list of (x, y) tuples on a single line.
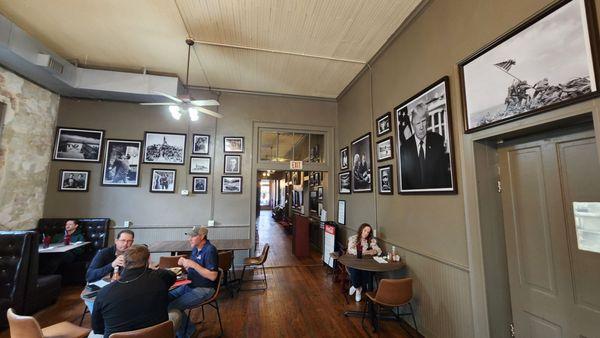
[(424, 142), (362, 172)]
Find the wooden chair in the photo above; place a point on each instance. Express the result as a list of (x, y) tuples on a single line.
[(255, 262), (225, 263), (166, 262), (26, 326), (162, 330), (212, 301), (391, 294)]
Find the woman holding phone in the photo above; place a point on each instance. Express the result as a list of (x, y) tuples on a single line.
[(363, 243)]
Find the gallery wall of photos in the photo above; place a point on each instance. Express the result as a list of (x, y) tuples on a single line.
[(121, 159)]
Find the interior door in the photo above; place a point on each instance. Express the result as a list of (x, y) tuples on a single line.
[(554, 275)]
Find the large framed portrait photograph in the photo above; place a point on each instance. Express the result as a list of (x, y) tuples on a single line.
[(344, 159), (231, 184), (385, 149), (73, 180), (165, 148), (83, 145), (233, 144), (163, 180), (199, 165), (386, 185), (199, 184), (232, 164), (121, 163), (200, 144), (384, 124), (362, 164), (344, 182), (543, 64), (424, 142)]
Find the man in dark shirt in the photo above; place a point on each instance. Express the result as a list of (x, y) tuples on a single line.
[(139, 299), (202, 269), (107, 259)]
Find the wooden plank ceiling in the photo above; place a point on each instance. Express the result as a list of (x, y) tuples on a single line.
[(137, 34)]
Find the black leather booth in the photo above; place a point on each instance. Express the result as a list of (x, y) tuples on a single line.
[(21, 287), (95, 230)]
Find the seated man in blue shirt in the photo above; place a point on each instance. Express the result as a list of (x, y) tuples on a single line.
[(202, 269)]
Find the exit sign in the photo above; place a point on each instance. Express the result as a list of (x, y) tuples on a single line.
[(296, 165)]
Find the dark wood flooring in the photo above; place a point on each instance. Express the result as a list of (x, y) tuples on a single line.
[(301, 301)]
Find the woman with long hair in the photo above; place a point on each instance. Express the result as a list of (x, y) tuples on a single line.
[(364, 241)]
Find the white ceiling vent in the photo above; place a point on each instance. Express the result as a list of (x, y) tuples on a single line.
[(49, 62)]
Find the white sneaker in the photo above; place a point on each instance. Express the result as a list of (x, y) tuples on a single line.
[(358, 297), (352, 290)]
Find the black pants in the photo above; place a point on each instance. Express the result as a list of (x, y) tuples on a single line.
[(361, 278)]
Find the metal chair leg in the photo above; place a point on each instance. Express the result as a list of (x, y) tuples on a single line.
[(219, 316), (264, 276), (362, 322), (85, 310)]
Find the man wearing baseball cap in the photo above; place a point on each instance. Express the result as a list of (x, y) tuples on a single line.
[(202, 268)]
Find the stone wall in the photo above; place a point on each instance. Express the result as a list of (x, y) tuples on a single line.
[(26, 141)]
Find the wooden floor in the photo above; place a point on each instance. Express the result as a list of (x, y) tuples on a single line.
[(301, 301)]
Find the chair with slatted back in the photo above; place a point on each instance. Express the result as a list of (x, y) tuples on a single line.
[(162, 330), (26, 326), (166, 262), (391, 294), (212, 301), (225, 263), (255, 262)]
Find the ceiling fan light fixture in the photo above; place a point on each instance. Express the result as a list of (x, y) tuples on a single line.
[(194, 115), (175, 113)]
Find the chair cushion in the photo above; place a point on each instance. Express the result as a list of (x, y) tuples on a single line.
[(65, 330), (252, 261)]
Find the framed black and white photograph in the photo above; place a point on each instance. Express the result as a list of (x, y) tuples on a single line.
[(319, 208), (385, 149), (83, 145), (424, 142), (166, 148), (232, 164), (199, 184), (200, 144), (361, 164), (386, 183), (233, 144), (199, 165), (73, 180), (163, 180), (344, 182), (231, 184), (341, 216), (384, 124), (344, 163), (121, 163), (543, 64), (320, 193)]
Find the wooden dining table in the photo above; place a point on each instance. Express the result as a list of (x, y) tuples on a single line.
[(176, 247)]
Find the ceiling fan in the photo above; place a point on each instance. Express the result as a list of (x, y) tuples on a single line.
[(185, 102)]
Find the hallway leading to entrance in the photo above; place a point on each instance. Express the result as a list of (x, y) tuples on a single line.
[(280, 253)]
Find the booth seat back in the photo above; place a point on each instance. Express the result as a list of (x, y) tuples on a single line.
[(94, 230), (15, 252)]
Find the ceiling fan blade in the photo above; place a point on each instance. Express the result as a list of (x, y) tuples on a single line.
[(158, 104), (204, 103), (209, 112), (170, 97)]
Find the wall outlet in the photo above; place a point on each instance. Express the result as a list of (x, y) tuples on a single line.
[(127, 224), (211, 223), (185, 192)]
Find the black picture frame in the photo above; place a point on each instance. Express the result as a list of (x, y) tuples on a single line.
[(232, 164), (439, 173), (345, 158), (546, 64), (230, 146), (388, 153), (200, 144), (383, 124), (156, 183), (77, 144), (196, 188), (362, 170), (320, 193), (345, 182), (111, 163), (232, 191), (385, 188), (195, 161), (176, 149), (74, 183)]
